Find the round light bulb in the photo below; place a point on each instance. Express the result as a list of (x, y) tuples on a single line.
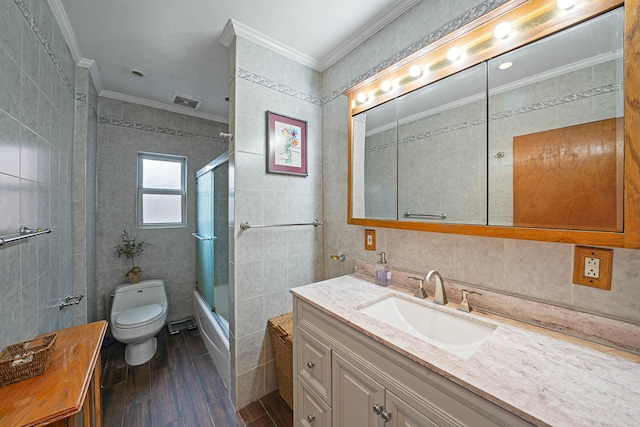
[(385, 86), (362, 97), (415, 71), (454, 53), (505, 65), (566, 4), (502, 30)]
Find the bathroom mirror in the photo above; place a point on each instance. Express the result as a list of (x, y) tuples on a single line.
[(442, 150), (556, 147), (525, 144), (375, 163)]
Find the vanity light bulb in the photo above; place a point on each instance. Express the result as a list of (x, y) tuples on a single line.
[(415, 71), (454, 53), (385, 86), (566, 4), (502, 30), (361, 97)]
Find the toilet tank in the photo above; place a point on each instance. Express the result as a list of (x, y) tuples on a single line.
[(146, 292)]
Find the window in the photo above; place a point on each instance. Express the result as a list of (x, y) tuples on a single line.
[(162, 190)]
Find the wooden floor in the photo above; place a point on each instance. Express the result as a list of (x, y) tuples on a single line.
[(179, 387)]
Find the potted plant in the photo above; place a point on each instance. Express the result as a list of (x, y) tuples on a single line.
[(131, 248)]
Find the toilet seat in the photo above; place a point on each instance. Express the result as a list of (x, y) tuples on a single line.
[(138, 316)]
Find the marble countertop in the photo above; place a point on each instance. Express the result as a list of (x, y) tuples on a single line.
[(544, 377)]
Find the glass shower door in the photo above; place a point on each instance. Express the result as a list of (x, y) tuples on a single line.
[(212, 247), (205, 237), (221, 245)]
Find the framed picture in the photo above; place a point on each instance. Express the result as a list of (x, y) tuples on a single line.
[(286, 145)]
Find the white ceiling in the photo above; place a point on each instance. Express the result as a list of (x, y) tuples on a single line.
[(177, 43)]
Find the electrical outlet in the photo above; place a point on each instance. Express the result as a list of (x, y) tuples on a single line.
[(370, 240), (592, 267)]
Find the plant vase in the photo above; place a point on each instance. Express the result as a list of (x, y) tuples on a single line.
[(134, 275)]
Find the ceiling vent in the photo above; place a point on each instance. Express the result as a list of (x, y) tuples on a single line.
[(187, 101)]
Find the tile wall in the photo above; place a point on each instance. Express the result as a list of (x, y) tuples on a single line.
[(37, 75), (123, 130), (84, 196), (266, 263), (536, 270)]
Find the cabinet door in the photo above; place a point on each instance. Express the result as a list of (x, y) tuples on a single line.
[(354, 396), (311, 411), (314, 364), (403, 415)]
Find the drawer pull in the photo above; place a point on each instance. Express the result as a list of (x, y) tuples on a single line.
[(311, 418), (386, 416), (377, 408), (311, 364)]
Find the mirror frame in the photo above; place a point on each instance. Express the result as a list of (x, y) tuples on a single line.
[(532, 20)]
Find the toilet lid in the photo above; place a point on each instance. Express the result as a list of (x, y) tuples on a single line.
[(138, 316)]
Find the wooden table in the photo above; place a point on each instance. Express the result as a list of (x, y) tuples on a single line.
[(70, 384)]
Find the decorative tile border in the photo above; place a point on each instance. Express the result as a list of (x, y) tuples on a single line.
[(614, 87), (31, 21), (448, 28), (159, 129), (263, 81), (461, 21)]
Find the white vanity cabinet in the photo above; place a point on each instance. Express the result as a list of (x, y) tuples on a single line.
[(346, 379), (359, 400)]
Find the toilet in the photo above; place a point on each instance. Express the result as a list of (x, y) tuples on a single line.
[(138, 313)]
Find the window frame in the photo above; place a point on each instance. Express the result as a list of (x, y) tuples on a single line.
[(141, 190)]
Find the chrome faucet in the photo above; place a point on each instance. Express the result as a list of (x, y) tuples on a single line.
[(440, 296)]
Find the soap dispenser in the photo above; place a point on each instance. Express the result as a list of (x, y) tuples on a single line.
[(383, 271)]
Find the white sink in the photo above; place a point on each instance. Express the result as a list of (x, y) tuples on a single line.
[(456, 334)]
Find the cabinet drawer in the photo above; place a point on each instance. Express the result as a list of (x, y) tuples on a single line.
[(314, 364), (311, 411)]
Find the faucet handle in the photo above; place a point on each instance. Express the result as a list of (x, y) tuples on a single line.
[(464, 304), (420, 292)]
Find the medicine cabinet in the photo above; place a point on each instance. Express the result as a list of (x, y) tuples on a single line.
[(522, 124)]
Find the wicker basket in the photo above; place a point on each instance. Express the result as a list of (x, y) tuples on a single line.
[(26, 359), (281, 329)]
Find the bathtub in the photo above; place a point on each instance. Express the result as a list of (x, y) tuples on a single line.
[(214, 338)]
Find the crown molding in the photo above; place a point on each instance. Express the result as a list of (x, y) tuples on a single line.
[(65, 26), (93, 70), (228, 34), (70, 36), (162, 106), (235, 28), (383, 20)]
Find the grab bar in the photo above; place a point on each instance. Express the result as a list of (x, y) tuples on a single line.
[(199, 237), (23, 234), (245, 225), (433, 216)]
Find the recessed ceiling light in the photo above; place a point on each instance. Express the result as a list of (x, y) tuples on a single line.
[(505, 65), (136, 73)]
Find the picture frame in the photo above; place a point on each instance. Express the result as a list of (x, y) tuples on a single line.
[(286, 145)]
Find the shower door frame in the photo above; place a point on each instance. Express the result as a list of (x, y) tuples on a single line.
[(210, 167)]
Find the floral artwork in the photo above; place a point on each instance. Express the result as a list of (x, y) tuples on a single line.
[(286, 145)]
